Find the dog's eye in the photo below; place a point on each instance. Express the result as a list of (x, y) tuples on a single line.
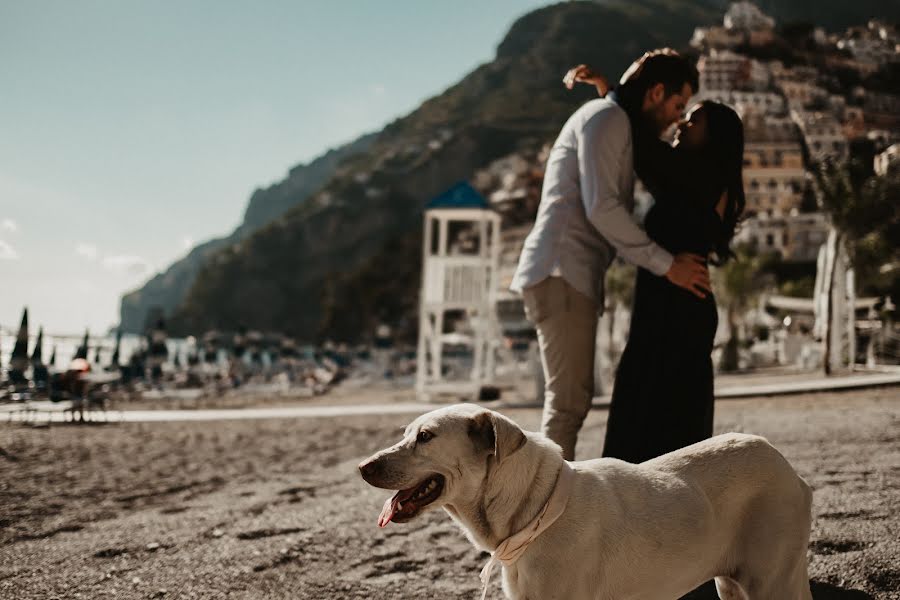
[(424, 436)]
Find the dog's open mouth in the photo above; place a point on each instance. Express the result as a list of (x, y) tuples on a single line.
[(406, 504)]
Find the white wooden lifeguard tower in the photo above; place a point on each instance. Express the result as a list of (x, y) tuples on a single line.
[(460, 260)]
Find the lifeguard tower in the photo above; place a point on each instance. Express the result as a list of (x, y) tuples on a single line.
[(460, 260)]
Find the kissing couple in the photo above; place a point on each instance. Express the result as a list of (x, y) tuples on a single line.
[(663, 392)]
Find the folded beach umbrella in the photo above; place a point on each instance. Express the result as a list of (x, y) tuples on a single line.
[(39, 371), (19, 359), (36, 357), (82, 351), (114, 361)]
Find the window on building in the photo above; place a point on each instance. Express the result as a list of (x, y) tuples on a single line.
[(770, 240)]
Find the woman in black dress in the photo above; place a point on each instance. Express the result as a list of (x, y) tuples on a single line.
[(663, 393)]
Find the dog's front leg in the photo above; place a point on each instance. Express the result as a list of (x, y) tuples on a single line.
[(512, 584)]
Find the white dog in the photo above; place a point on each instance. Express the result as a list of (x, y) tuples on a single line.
[(730, 508)]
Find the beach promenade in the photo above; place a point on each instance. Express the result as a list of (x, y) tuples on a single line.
[(401, 401)]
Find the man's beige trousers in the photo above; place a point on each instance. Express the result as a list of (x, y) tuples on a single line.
[(566, 322)]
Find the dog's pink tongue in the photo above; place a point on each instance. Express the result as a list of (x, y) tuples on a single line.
[(392, 506), (388, 510)]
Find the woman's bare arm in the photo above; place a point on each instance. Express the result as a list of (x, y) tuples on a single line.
[(584, 74)]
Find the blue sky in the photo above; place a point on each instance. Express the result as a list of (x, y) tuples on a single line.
[(130, 130)]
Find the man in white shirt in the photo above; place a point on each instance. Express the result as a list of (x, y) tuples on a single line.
[(584, 218)]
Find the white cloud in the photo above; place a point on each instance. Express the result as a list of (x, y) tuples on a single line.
[(378, 90), (7, 252), (126, 264), (89, 251), (187, 242), (9, 225)]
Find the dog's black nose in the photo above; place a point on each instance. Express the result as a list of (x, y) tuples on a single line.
[(368, 469)]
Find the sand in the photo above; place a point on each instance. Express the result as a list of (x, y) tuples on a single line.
[(276, 509)]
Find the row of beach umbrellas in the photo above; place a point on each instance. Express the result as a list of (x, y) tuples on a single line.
[(19, 359), (244, 341)]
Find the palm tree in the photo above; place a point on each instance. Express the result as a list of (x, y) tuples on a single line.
[(737, 284), (619, 291), (865, 215)]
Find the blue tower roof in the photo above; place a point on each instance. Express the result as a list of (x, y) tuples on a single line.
[(461, 195)]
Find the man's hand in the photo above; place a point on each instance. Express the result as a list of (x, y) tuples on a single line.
[(689, 271)]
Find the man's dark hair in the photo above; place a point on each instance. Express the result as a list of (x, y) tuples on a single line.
[(663, 66)]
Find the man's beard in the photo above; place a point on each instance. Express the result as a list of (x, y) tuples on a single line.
[(657, 121)]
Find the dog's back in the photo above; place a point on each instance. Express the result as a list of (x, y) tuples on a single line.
[(730, 508), (754, 488), (713, 464)]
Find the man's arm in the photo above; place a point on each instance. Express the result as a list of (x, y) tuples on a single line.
[(604, 149)]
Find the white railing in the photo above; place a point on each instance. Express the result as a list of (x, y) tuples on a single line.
[(456, 280)]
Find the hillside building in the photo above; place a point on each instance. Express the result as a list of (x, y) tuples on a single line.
[(726, 70), (796, 238), (822, 134), (774, 177)]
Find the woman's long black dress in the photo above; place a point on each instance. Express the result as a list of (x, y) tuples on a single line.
[(663, 393)]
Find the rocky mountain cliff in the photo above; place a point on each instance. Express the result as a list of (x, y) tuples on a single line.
[(166, 291), (330, 254), (348, 256)]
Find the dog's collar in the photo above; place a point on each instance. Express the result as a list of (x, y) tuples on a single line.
[(510, 549)]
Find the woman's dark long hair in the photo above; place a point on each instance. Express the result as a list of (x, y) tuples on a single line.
[(725, 150)]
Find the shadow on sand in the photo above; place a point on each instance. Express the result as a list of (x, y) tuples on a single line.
[(820, 591)]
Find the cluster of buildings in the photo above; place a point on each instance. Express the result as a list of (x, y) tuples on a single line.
[(793, 122), (744, 23), (869, 47)]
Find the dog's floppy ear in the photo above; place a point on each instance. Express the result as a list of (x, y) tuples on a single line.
[(493, 433)]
